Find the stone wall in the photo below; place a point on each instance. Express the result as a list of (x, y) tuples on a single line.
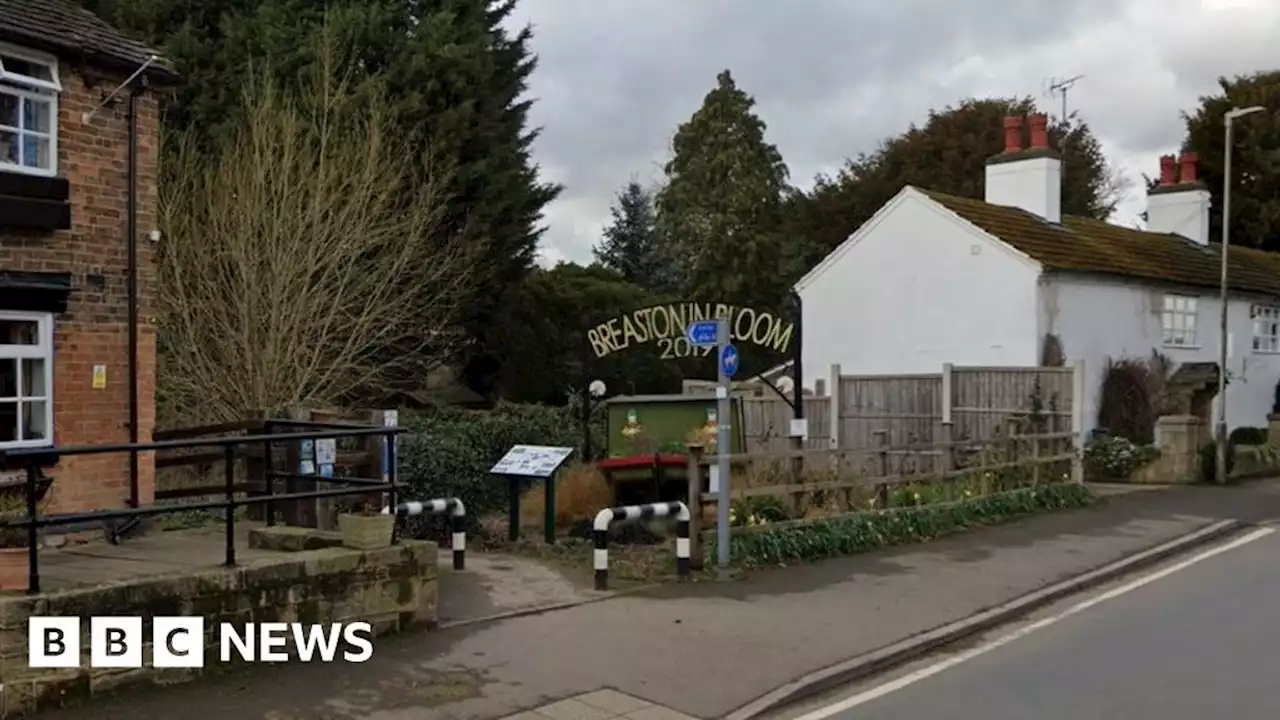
[(393, 589), (1179, 438)]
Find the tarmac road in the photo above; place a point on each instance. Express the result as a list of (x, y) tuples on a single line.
[(1196, 639)]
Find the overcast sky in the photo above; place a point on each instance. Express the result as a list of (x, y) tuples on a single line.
[(833, 77)]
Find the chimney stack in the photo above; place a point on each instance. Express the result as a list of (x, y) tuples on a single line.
[(1179, 205), (1039, 132), (1028, 178), (1012, 134), (1188, 173), (1168, 171)]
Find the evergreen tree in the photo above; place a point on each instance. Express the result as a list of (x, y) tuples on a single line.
[(1255, 158), (630, 245), (720, 209)]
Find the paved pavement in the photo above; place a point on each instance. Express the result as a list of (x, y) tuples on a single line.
[(707, 648), (1196, 643)]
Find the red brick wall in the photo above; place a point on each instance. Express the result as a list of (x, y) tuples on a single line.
[(94, 330)]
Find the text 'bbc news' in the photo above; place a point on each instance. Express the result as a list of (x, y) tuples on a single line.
[(179, 642)]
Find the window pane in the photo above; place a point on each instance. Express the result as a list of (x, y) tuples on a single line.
[(1191, 305), (8, 377), (33, 378), (35, 152), (36, 115), (9, 109), (18, 66), (8, 422), (19, 332), (8, 147), (35, 420)]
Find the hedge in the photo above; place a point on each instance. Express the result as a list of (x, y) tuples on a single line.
[(448, 452), (851, 534)]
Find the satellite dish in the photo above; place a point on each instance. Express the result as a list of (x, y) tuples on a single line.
[(785, 385), (597, 388)]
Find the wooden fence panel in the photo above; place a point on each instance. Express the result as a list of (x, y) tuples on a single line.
[(901, 409), (767, 422), (985, 404), (984, 400)]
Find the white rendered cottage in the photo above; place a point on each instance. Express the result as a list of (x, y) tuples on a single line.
[(933, 279)]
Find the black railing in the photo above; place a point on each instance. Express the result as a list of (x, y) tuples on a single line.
[(35, 458)]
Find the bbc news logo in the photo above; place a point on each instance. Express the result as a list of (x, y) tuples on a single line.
[(179, 642)]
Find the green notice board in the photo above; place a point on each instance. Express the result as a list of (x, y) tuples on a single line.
[(645, 424)]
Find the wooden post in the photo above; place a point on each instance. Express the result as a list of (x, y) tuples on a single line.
[(372, 467), (299, 513), (833, 407), (1077, 421), (947, 392), (882, 489), (1035, 460), (255, 466), (946, 433), (694, 502)]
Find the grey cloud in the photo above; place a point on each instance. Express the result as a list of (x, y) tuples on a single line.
[(834, 77)]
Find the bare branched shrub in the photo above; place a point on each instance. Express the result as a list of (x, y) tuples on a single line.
[(303, 257), (1125, 407)]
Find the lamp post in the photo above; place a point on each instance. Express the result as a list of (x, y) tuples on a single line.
[(1220, 474)]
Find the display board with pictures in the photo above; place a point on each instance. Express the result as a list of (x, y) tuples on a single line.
[(540, 461)]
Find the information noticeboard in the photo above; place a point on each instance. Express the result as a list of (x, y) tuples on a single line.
[(540, 461)]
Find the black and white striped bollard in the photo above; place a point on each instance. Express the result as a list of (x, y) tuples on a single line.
[(457, 520), (627, 513)]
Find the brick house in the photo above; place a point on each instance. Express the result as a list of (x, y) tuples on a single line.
[(64, 233)]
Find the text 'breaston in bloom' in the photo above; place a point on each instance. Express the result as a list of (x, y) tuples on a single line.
[(669, 322)]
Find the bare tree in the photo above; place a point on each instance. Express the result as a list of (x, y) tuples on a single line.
[(304, 259)]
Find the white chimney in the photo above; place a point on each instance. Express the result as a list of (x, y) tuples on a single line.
[(1029, 178), (1179, 205)]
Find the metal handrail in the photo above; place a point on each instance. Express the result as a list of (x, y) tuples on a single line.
[(34, 458)]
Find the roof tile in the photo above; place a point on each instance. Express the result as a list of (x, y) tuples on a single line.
[(65, 28), (1093, 246)]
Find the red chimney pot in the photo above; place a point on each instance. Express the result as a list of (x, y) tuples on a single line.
[(1188, 173), (1039, 132), (1013, 134), (1168, 170)]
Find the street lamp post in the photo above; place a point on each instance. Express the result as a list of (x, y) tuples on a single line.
[(1220, 474)]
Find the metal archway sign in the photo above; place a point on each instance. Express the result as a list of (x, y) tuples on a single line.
[(664, 325)]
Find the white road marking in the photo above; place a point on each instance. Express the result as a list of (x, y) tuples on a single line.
[(914, 677)]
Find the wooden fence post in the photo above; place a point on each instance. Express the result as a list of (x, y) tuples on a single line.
[(946, 430), (1035, 460), (833, 407), (255, 466), (1077, 421), (882, 489), (694, 473), (947, 392)]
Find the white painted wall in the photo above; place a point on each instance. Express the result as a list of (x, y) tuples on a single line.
[(1098, 318), (918, 288)]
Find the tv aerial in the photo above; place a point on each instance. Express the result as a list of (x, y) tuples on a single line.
[(1061, 87)]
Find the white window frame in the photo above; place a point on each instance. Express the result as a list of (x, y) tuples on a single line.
[(1266, 328), (42, 350), (1178, 321), (28, 88)]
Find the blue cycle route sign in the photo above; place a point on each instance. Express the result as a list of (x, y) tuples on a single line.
[(729, 360), (702, 333)]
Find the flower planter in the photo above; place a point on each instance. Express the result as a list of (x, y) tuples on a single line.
[(366, 532), (14, 569)]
